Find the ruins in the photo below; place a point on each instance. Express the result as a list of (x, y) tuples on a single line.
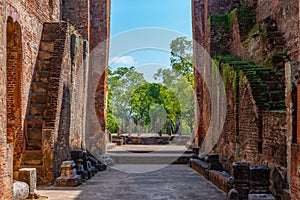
[(46, 80)]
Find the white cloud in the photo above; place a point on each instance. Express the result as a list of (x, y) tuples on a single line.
[(123, 60)]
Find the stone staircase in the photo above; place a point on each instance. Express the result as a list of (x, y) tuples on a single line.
[(277, 45), (268, 84), (44, 92)]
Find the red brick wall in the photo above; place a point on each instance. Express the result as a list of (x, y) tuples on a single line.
[(30, 15), (295, 168), (227, 142), (13, 84), (248, 124), (5, 167), (97, 91), (77, 13), (286, 15)]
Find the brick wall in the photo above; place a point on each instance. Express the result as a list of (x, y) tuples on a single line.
[(5, 171), (286, 15), (275, 150), (30, 15), (97, 89), (227, 142), (77, 13), (248, 124), (295, 172)]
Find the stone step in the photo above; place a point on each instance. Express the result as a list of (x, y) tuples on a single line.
[(276, 34), (278, 40), (34, 145), (39, 98), (34, 134), (150, 158), (40, 87), (47, 46), (278, 47), (42, 76), (162, 152), (37, 109), (44, 55), (43, 65), (32, 158)]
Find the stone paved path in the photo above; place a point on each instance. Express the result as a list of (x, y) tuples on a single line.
[(174, 182)]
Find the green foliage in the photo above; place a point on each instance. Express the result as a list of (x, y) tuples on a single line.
[(182, 60), (131, 97), (231, 17)]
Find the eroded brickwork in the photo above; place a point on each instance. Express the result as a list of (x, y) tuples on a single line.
[(262, 33), (5, 154)]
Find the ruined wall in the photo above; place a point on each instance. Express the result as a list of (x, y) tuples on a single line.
[(5, 152), (98, 81), (248, 124), (271, 35), (286, 15), (263, 33), (31, 15), (227, 142), (65, 116), (77, 13)]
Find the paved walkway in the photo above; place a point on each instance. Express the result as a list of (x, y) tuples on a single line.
[(174, 182)]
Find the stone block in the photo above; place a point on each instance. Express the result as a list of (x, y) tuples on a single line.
[(222, 180), (80, 170), (200, 166), (28, 175), (20, 190), (241, 172), (213, 161), (259, 178), (69, 177)]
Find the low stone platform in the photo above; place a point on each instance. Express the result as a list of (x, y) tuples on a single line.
[(171, 182), (150, 139)]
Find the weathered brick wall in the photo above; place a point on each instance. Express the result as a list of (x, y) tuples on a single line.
[(275, 149), (295, 159), (226, 145), (68, 112), (30, 15), (248, 124), (219, 7), (77, 13), (97, 89), (286, 15), (5, 171), (274, 138)]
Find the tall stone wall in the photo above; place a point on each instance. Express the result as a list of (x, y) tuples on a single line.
[(5, 154), (286, 15), (262, 33), (31, 15), (77, 13), (98, 81)]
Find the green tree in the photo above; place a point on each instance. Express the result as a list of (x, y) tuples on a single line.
[(182, 57), (122, 83)]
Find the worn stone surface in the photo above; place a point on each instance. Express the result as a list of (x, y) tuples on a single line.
[(28, 175), (172, 182), (21, 190), (68, 177)]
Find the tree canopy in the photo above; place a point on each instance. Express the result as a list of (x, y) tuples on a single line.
[(132, 98)]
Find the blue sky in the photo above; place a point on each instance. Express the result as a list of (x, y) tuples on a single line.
[(147, 49)]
